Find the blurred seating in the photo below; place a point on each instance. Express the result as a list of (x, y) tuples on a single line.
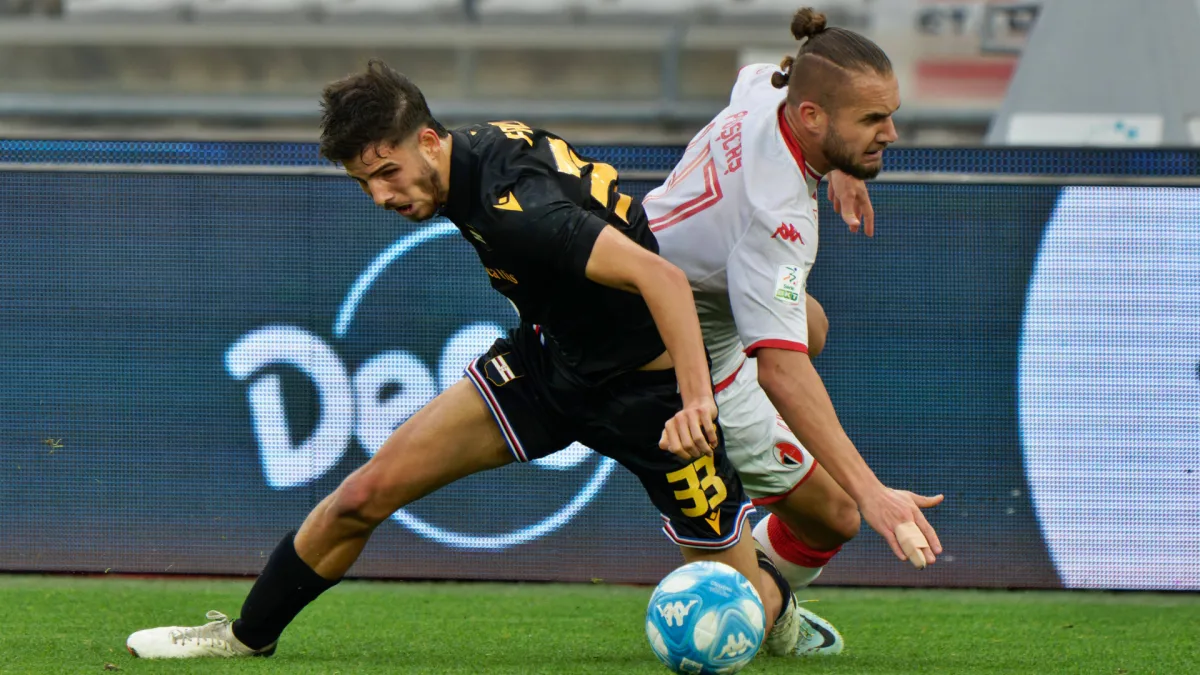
[(654, 10), (705, 11), (524, 10), (90, 9), (427, 10), (270, 9)]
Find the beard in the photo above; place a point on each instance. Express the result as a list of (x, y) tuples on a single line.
[(430, 183), (841, 157)]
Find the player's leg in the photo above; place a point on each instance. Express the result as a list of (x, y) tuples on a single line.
[(808, 527), (455, 435), (811, 515), (703, 505), (776, 472), (450, 438), (818, 326)]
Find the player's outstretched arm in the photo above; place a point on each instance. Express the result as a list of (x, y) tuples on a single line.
[(619, 262), (796, 390)]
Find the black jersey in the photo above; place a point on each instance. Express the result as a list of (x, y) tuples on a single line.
[(533, 208)]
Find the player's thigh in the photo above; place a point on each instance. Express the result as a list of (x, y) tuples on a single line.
[(819, 510), (766, 454), (818, 326), (701, 500), (453, 436)]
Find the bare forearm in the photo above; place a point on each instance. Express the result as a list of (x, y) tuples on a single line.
[(799, 395), (669, 297)]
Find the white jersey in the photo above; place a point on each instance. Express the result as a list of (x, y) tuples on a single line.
[(739, 216)]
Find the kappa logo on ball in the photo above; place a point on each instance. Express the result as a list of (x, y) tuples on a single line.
[(368, 404), (674, 613)]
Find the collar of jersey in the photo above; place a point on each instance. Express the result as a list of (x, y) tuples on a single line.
[(462, 179), (793, 145)]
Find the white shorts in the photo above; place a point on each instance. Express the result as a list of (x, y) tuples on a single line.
[(765, 452)]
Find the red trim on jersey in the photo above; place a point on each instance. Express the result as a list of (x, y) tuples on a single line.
[(724, 384), (790, 548), (711, 195), (771, 499), (793, 144), (789, 345), (679, 174)]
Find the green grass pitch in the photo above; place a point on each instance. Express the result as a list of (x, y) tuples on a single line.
[(78, 625)]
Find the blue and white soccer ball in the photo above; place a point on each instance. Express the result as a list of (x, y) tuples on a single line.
[(705, 618)]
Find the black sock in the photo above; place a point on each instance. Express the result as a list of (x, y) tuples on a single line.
[(785, 589), (287, 584)]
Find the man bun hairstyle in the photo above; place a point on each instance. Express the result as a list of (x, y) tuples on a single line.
[(825, 54), (378, 105)]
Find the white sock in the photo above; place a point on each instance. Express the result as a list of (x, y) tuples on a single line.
[(798, 576)]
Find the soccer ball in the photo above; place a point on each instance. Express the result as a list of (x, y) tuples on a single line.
[(705, 618)]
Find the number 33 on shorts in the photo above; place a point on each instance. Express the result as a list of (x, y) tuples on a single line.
[(698, 478)]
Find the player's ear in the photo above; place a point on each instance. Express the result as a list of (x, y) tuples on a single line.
[(429, 142), (812, 117)]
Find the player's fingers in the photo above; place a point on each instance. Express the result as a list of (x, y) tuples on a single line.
[(690, 434), (662, 440), (912, 542), (890, 538), (868, 216), (930, 534), (927, 502), (673, 444), (831, 192), (710, 432), (696, 424)]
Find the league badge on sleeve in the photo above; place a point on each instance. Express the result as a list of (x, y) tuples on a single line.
[(789, 285)]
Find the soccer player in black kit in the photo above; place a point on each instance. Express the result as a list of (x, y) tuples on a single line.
[(608, 352)]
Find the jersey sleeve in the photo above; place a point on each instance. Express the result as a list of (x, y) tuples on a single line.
[(535, 218), (767, 274)]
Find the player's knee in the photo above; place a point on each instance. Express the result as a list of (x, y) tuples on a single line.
[(818, 326), (359, 500), (844, 520)]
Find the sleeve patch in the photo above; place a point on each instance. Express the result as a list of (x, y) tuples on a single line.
[(789, 285)]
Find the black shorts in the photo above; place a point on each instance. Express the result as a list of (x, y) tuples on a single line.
[(540, 412)]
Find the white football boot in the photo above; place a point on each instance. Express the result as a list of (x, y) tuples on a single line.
[(212, 640), (817, 636), (800, 632), (784, 635)]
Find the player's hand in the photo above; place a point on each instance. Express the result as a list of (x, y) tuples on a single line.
[(896, 516), (692, 432), (849, 198)]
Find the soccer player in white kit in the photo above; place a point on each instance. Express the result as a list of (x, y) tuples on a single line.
[(739, 216)]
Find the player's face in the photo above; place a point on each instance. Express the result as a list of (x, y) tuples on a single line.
[(861, 126), (400, 177)]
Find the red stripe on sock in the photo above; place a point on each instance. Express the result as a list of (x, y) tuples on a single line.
[(790, 548)]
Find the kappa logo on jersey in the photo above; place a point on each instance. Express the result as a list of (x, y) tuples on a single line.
[(675, 612), (788, 454), (787, 232), (735, 646)]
